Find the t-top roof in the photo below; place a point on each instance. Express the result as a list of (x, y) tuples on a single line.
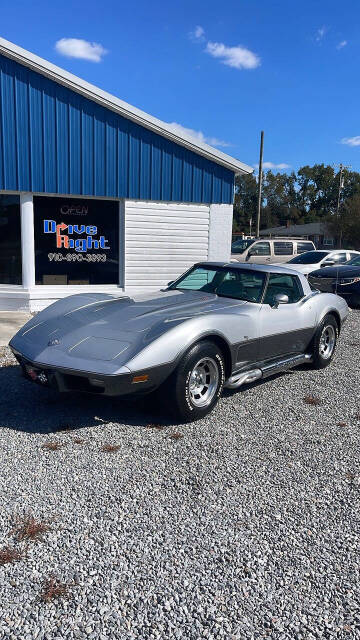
[(109, 101)]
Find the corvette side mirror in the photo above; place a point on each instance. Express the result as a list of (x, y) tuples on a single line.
[(280, 298)]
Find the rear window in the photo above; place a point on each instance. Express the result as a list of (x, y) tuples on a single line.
[(310, 257), (304, 246), (283, 248)]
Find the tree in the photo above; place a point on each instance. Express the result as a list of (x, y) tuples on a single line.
[(318, 190), (245, 202), (346, 226), (281, 200), (310, 195)]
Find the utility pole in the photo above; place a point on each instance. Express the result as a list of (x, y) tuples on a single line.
[(250, 224), (260, 185), (341, 186)]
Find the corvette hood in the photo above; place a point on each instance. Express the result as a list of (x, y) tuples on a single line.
[(82, 331)]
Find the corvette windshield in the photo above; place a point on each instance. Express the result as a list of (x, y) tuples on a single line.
[(241, 284), (310, 257)]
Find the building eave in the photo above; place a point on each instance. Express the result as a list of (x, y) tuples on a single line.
[(90, 91)]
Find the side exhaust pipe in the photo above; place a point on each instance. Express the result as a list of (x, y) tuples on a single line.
[(238, 379), (246, 377)]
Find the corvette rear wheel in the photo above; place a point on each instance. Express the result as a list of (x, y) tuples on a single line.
[(195, 386), (325, 342)]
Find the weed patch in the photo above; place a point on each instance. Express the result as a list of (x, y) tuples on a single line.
[(52, 589), (8, 555), (53, 445), (28, 528), (176, 435), (312, 400), (110, 448)]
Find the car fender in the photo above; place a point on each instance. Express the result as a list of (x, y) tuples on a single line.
[(326, 303), (171, 345)]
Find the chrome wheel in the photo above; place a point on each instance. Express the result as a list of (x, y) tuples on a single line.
[(327, 341), (203, 382)]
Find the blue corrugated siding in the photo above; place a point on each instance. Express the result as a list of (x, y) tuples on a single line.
[(52, 140)]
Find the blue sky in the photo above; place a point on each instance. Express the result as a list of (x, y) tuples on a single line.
[(226, 70)]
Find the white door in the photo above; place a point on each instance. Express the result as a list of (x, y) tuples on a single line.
[(259, 252)]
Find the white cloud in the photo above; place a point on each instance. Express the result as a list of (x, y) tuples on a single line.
[(342, 44), (198, 136), (198, 35), (273, 165), (77, 48), (351, 142), (320, 34), (236, 57)]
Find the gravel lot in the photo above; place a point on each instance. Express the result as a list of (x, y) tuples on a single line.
[(245, 527)]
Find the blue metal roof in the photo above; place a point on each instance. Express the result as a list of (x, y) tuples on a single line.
[(54, 140)]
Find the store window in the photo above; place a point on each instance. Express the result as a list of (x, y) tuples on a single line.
[(10, 240), (76, 241)]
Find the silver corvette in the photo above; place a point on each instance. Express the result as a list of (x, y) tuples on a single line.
[(217, 325)]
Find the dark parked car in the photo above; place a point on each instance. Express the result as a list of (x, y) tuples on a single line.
[(343, 280)]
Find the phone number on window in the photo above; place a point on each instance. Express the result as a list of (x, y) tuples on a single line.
[(77, 257)]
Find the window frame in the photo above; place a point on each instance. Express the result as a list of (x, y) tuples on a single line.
[(353, 255), (80, 271), (331, 257), (173, 286), (313, 248), (290, 275), (283, 242), (249, 251)]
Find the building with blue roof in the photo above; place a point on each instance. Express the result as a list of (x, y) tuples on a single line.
[(96, 194)]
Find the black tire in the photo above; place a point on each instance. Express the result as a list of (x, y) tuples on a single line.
[(192, 384), (326, 334)]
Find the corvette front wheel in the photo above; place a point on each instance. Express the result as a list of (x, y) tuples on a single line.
[(195, 386)]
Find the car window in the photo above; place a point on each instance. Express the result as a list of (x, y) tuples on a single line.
[(239, 246), (304, 246), (339, 258), (283, 248), (260, 249), (242, 285), (355, 261), (310, 257), (353, 255), (283, 283)]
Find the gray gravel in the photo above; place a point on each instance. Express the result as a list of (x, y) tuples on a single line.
[(246, 527)]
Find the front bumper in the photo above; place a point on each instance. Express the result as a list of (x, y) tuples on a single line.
[(68, 380)]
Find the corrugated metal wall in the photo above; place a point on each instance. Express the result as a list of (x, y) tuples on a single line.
[(52, 140), (162, 241)]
